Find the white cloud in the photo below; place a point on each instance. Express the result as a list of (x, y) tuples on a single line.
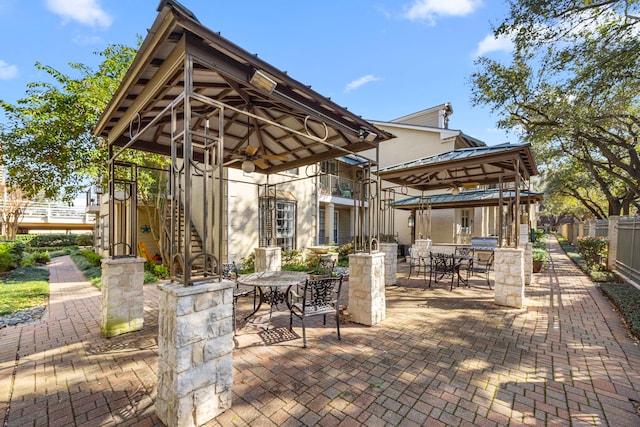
[(361, 81), (84, 40), (7, 71), (429, 10), (86, 12), (492, 44)]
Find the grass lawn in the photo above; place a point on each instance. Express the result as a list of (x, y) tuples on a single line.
[(24, 288)]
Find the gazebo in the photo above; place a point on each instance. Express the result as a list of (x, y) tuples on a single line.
[(199, 99), (509, 167)]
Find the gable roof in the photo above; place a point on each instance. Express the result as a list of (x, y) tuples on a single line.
[(471, 166), (288, 127), (466, 198)]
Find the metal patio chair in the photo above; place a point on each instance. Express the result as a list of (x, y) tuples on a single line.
[(319, 297), (230, 272)]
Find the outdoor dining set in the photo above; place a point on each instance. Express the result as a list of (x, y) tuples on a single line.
[(457, 267), (306, 294)]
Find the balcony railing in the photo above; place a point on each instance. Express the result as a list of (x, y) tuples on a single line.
[(338, 186)]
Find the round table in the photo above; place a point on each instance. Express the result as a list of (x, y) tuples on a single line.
[(274, 282)]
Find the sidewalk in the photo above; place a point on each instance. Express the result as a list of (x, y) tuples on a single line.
[(440, 358)]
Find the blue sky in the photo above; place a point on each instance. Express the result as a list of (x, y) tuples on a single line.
[(382, 59)]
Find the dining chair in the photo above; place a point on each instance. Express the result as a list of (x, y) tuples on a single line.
[(443, 265), (482, 264), (230, 272), (319, 297), (324, 268), (416, 262), (467, 262)]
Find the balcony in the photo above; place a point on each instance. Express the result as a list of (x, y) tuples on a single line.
[(336, 186)]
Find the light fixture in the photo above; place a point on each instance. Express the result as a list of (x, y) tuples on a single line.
[(248, 166), (367, 136), (455, 190), (262, 81), (411, 222)]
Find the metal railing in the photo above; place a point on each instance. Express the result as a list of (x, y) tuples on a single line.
[(57, 210), (338, 186)]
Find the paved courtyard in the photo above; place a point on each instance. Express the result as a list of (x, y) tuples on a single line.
[(440, 358)]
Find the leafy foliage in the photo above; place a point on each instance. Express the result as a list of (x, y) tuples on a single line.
[(626, 298), (571, 91), (53, 240), (48, 145), (92, 257), (592, 249)]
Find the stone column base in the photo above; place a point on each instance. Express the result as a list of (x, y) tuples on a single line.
[(509, 277), (367, 303), (122, 296), (195, 345), (390, 251), (268, 259), (423, 246)]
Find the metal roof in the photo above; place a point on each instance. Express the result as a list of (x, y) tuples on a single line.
[(288, 127), (464, 167), (466, 198)]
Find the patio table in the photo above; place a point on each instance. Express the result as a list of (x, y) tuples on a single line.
[(273, 287)]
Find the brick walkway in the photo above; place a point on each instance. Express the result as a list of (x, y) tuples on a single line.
[(440, 358)]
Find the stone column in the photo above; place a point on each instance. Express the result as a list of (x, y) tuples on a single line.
[(122, 296), (367, 303), (509, 277), (195, 345), (612, 236), (268, 259), (423, 246), (390, 251)]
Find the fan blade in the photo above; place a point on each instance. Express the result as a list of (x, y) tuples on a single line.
[(232, 161), (470, 184), (251, 150), (280, 157), (261, 164)]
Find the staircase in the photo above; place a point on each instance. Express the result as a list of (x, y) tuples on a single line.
[(201, 263)]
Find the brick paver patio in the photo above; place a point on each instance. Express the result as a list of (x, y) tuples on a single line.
[(439, 358)]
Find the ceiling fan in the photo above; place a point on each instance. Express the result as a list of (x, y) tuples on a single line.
[(251, 159)]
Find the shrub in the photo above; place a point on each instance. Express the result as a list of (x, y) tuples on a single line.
[(84, 240), (92, 257), (158, 271), (10, 257), (37, 257), (592, 249), (60, 252), (49, 240), (248, 264), (344, 251)]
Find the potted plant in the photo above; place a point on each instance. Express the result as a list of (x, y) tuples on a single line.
[(540, 256)]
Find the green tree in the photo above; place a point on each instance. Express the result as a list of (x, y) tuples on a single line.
[(571, 90), (47, 144)]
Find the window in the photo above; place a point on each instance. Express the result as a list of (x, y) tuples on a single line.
[(285, 224), (277, 223), (465, 223)]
